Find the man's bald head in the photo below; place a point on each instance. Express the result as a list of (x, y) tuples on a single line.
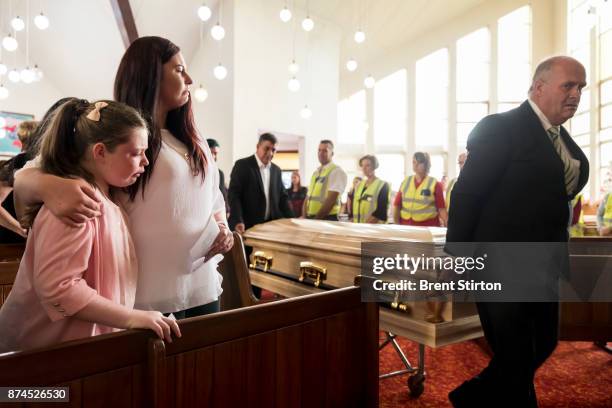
[(557, 86)]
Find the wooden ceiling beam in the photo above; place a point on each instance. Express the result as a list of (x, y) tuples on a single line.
[(125, 21)]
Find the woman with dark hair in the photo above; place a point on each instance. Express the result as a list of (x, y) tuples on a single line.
[(177, 213), (297, 194), (420, 200)]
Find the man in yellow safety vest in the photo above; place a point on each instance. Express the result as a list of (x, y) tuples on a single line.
[(326, 186)]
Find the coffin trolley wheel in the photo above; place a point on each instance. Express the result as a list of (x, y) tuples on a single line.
[(416, 384)]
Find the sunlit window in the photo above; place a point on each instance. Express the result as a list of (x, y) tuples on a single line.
[(352, 119), (473, 62), (514, 58), (390, 110), (391, 169), (432, 99)]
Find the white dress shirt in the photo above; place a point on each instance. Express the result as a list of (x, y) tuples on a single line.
[(264, 171)]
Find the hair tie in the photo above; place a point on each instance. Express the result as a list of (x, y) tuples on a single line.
[(95, 113)]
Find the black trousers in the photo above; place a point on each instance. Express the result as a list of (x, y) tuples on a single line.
[(522, 336), (212, 307)]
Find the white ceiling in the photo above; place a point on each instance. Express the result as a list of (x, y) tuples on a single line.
[(81, 50)]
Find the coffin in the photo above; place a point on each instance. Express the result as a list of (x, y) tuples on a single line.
[(293, 257)]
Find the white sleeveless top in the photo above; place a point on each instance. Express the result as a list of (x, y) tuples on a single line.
[(167, 229)]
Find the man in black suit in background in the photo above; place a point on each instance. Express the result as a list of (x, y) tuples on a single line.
[(522, 171), (256, 191), (214, 147)]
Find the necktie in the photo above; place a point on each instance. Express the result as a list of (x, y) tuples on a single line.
[(569, 171)]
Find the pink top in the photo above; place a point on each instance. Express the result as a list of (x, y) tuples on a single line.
[(62, 270)]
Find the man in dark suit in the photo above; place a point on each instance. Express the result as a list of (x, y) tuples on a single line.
[(522, 171), (214, 147), (256, 191)]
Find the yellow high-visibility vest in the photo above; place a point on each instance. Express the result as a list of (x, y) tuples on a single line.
[(418, 204), (576, 230), (449, 190), (365, 200), (317, 192), (607, 217)]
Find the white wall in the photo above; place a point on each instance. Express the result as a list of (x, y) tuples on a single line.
[(33, 98), (262, 52), (214, 117)]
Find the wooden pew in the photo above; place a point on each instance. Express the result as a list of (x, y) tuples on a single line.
[(237, 291), (311, 351), (8, 272), (11, 252)]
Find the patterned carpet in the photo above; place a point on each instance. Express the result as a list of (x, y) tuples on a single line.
[(577, 375)]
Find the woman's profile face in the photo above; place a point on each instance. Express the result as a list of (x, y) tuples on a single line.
[(174, 87)]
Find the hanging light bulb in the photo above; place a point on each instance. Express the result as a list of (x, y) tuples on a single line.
[(4, 93), (27, 75), (204, 12), (14, 76), (351, 65), (285, 15), (306, 113), (307, 24), (41, 21), (359, 36), (220, 72), (201, 94), (294, 67), (38, 74), (369, 82), (293, 84), (3, 69), (9, 43), (17, 23), (217, 32)]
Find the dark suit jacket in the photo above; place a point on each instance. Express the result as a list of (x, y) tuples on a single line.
[(512, 187), (247, 198)]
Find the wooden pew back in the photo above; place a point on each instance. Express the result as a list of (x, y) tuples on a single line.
[(310, 351), (237, 290)]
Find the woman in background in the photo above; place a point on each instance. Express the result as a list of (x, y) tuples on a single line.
[(297, 194)]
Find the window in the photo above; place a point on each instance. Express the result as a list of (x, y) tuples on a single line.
[(513, 58), (432, 99), (390, 110), (352, 121), (391, 169), (473, 61)]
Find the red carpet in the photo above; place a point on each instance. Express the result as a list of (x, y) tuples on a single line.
[(577, 375)]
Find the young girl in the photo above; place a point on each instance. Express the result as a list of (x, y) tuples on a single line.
[(80, 282)]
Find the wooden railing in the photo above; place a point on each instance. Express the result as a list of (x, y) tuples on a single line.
[(311, 351)]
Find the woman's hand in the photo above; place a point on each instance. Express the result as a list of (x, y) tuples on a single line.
[(73, 201), (161, 325), (223, 243)]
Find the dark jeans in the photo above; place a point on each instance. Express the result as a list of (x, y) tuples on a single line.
[(522, 336), (212, 307)]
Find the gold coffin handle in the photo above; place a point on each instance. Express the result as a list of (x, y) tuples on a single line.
[(261, 260), (310, 270), (397, 305)]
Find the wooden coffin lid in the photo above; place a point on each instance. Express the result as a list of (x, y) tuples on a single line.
[(342, 237)]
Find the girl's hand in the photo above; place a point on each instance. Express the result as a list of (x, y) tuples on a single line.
[(223, 243), (161, 325), (73, 201)]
